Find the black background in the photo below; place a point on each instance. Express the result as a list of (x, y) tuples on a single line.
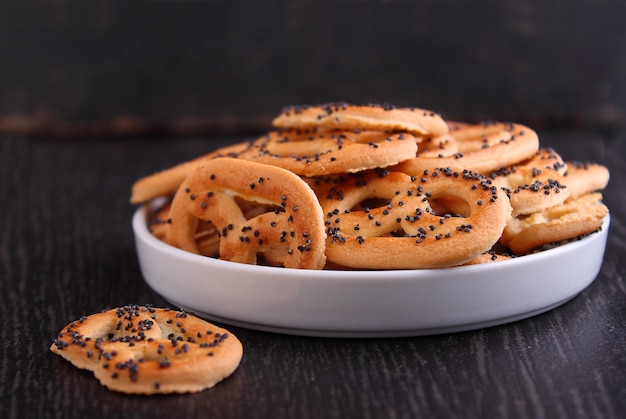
[(215, 67)]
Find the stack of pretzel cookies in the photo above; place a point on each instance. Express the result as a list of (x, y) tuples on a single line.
[(341, 186)]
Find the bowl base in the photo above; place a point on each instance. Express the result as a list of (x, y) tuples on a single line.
[(466, 327)]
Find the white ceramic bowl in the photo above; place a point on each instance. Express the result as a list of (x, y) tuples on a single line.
[(368, 303)]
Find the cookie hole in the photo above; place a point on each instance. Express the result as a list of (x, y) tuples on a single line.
[(252, 209), (449, 206), (370, 204)]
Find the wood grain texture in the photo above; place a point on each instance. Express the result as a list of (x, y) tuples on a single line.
[(66, 249)]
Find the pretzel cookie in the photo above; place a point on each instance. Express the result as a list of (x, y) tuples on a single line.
[(582, 213), (441, 146), (166, 181), (482, 148), (534, 184), (293, 223), (489, 256), (346, 116), (317, 152), (206, 235), (146, 350), (584, 177), (572, 219), (384, 220)]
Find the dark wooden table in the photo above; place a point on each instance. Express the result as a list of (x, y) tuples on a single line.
[(66, 249)]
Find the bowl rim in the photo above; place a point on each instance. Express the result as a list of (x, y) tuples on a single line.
[(140, 227)]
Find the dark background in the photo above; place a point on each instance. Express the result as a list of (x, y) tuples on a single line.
[(172, 68)]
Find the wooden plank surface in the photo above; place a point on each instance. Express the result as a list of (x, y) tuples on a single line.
[(66, 249)]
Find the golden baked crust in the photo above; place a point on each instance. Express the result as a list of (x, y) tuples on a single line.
[(206, 235), (489, 256), (147, 350), (344, 116), (317, 152), (574, 218), (385, 220), (584, 177), (212, 192), (440, 146), (534, 184), (488, 148), (165, 182)]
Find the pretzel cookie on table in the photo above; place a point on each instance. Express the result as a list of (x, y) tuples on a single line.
[(146, 350)]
